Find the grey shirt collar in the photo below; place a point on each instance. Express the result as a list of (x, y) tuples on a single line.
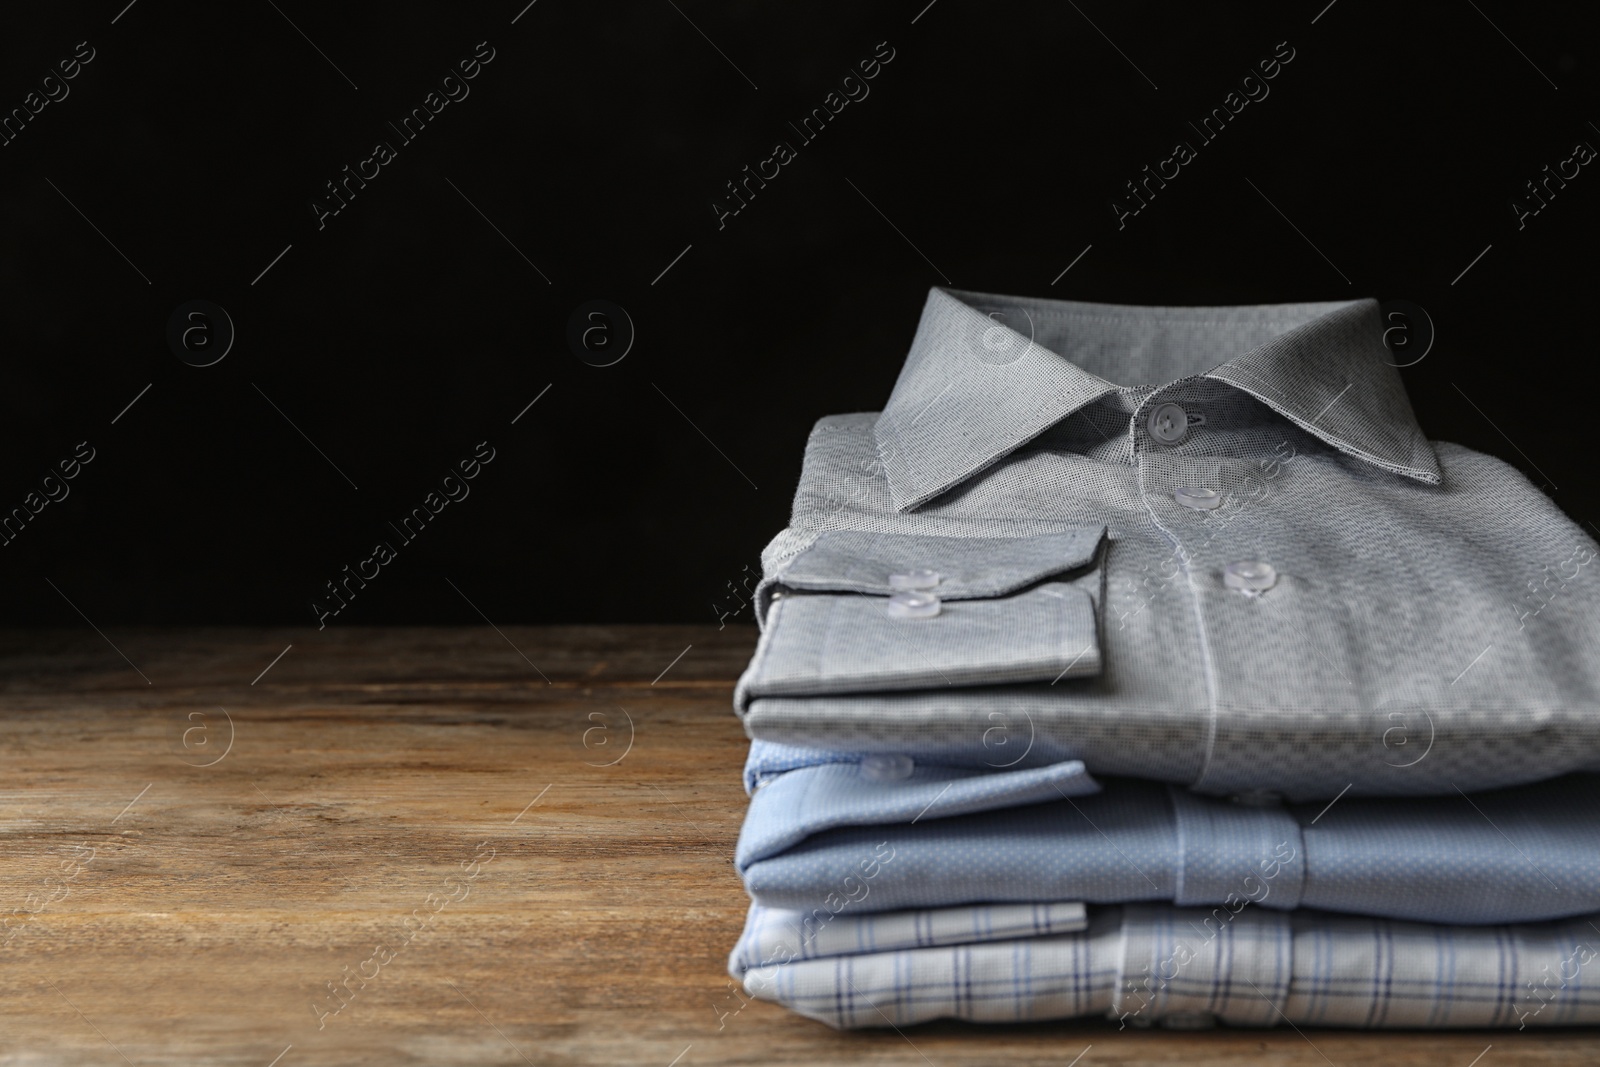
[(987, 373)]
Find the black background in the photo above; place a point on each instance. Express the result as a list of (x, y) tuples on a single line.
[(408, 329)]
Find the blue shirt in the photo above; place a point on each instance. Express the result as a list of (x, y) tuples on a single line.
[(1055, 834), (1140, 965)]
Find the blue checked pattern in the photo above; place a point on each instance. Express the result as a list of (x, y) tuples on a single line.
[(1144, 965), (773, 937)]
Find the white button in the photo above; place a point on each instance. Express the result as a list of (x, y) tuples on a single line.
[(917, 578), (1199, 499), (1168, 424), (887, 768), (913, 606), (1249, 576)]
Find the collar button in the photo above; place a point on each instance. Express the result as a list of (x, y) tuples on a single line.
[(1168, 424)]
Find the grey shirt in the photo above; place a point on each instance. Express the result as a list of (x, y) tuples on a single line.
[(1254, 574)]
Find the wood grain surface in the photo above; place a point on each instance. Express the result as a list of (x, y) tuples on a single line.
[(438, 846)]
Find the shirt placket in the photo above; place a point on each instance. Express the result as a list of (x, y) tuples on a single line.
[(1179, 451)]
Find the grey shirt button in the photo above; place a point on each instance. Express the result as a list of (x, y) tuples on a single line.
[(885, 768), (1249, 576), (1199, 499), (1168, 424), (916, 578), (913, 606)]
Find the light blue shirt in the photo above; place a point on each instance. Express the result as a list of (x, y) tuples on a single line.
[(1055, 834)]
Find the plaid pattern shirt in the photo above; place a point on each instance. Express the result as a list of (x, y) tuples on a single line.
[(1155, 964)]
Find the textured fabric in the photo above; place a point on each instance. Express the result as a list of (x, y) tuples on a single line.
[(832, 634), (848, 643), (1433, 622), (967, 567), (1258, 852), (961, 836), (974, 388), (771, 935), (809, 802), (1142, 965)]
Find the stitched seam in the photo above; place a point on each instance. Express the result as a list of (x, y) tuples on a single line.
[(1157, 320)]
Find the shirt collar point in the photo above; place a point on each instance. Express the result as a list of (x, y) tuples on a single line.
[(976, 386)]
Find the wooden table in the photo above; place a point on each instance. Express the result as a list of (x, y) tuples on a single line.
[(199, 851)]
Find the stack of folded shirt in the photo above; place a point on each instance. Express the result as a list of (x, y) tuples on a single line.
[(1229, 698)]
